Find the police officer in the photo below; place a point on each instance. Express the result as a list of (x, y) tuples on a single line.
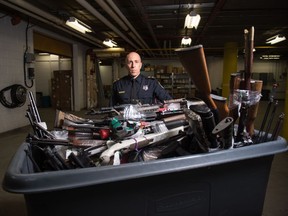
[(135, 87)]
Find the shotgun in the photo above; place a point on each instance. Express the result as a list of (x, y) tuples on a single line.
[(136, 143), (194, 61), (245, 83)]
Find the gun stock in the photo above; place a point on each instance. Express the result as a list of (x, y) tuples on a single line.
[(194, 61), (256, 85), (139, 142)]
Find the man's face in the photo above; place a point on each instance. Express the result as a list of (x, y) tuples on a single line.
[(133, 64)]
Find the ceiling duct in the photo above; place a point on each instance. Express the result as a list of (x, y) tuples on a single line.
[(99, 16), (143, 14), (36, 13), (128, 25)]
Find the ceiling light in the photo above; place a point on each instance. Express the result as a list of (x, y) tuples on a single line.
[(110, 43), (78, 25), (192, 20), (43, 54), (186, 41), (275, 39)]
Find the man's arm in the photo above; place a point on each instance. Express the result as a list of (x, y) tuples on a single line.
[(112, 101), (160, 93)]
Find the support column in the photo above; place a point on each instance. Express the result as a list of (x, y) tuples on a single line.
[(285, 125), (229, 65)]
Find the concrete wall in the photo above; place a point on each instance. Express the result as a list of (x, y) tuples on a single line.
[(12, 46)]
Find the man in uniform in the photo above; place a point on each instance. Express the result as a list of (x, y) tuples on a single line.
[(135, 87)]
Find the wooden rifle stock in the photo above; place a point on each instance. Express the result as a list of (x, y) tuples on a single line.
[(256, 85), (194, 61)]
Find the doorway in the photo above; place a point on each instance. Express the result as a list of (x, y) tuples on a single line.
[(53, 72)]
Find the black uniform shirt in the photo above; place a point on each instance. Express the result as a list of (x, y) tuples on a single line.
[(149, 90)]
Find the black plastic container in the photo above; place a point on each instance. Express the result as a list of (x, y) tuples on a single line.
[(226, 182)]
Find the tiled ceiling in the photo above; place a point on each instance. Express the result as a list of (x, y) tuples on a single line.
[(155, 28)]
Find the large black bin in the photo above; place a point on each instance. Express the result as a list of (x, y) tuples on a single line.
[(227, 182)]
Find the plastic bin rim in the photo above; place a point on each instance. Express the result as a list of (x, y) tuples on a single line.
[(26, 183)]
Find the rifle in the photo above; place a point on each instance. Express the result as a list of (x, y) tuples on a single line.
[(194, 61), (160, 134), (225, 131), (245, 84), (196, 125), (146, 112), (256, 86), (278, 127), (38, 126), (258, 137), (249, 46)]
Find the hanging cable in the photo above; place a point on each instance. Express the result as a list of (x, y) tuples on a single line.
[(17, 96), (25, 57)]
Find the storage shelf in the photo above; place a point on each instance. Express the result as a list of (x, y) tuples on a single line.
[(174, 79)]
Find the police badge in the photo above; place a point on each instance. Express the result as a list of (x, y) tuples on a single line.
[(145, 87)]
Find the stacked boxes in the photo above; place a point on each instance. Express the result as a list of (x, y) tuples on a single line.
[(62, 90)]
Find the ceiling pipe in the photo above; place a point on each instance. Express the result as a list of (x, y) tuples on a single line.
[(129, 25), (211, 18), (47, 18), (180, 6), (109, 11), (99, 16), (118, 20), (139, 6)]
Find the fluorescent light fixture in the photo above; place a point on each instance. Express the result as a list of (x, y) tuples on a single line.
[(43, 54), (275, 39), (110, 43), (78, 25), (186, 41), (192, 20)]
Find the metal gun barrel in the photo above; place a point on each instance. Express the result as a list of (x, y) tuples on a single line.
[(264, 139), (278, 127)]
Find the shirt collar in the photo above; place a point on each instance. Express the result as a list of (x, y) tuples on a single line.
[(138, 78)]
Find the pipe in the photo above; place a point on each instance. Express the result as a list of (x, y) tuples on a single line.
[(219, 5), (117, 19), (112, 14), (93, 11), (121, 15), (139, 6), (47, 18)]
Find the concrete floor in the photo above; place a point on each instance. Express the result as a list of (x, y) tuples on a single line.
[(14, 204)]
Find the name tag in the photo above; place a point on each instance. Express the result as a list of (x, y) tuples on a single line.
[(121, 92)]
